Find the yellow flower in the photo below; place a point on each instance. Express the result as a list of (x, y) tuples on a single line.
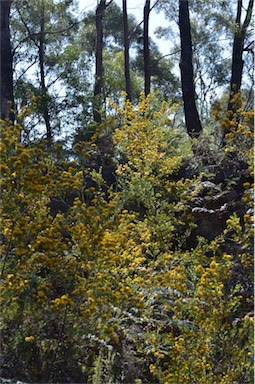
[(7, 231), (29, 338), (246, 217), (41, 294), (10, 275), (227, 257), (213, 264), (152, 368)]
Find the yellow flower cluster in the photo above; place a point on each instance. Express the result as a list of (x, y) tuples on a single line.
[(61, 302)]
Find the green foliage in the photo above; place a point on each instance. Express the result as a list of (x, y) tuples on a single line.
[(113, 288)]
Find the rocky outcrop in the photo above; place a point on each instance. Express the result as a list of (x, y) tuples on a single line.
[(8, 381), (217, 194)]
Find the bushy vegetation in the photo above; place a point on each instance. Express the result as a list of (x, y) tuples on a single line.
[(115, 282)]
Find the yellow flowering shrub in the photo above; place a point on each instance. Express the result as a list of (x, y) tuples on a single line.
[(110, 289)]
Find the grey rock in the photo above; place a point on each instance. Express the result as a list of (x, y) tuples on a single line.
[(9, 381)]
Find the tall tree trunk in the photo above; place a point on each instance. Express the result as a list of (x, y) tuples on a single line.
[(7, 100), (44, 91), (146, 48), (192, 120), (237, 57), (126, 50), (98, 87)]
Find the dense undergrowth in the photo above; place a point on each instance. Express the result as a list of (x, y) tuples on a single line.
[(144, 280)]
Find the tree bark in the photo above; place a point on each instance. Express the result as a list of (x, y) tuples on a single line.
[(98, 87), (7, 99), (146, 48), (126, 50), (44, 91), (192, 120), (237, 55)]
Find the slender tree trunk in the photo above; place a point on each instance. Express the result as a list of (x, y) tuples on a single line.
[(146, 48), (126, 50), (237, 56), (7, 100), (98, 87), (192, 120), (44, 91)]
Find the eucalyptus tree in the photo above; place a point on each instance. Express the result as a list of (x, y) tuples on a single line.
[(212, 28), (163, 81), (7, 101), (98, 87), (201, 31), (146, 47), (240, 32), (192, 119), (126, 50), (222, 36), (40, 32)]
